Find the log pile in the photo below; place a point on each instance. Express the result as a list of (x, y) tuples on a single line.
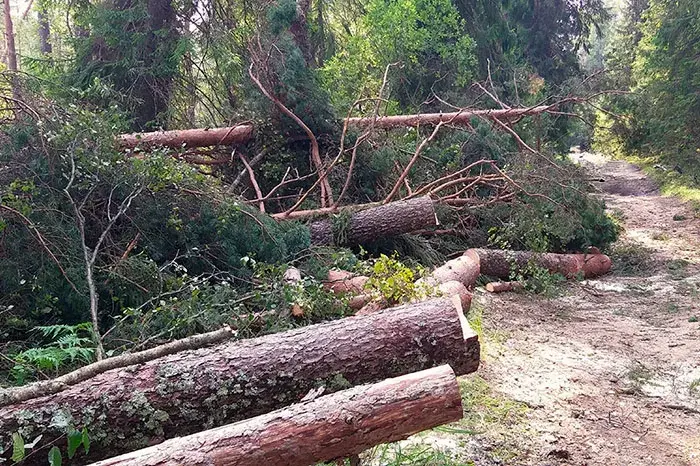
[(457, 276), (334, 426), (129, 408), (297, 395)]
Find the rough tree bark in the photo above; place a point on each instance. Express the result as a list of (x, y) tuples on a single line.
[(498, 262), (11, 56), (44, 31), (130, 408), (334, 426), (188, 137), (378, 222)]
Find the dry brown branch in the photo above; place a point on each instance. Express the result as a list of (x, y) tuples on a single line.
[(254, 182), (326, 190), (42, 241), (370, 128), (413, 160)]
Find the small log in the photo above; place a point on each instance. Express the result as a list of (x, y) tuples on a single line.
[(501, 287), (341, 281), (499, 262), (359, 301), (455, 288), (188, 137), (333, 426), (292, 275), (383, 221), (129, 408)]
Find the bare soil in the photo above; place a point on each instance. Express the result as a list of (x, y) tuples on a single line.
[(610, 369)]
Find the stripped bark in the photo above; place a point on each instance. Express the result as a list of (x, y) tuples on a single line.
[(188, 137), (462, 117), (378, 222), (129, 408), (334, 426)]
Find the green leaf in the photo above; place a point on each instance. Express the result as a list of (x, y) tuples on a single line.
[(75, 439), (86, 440), (55, 456), (17, 447)]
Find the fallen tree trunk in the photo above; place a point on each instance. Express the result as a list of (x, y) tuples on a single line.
[(188, 137), (499, 263), (129, 408), (334, 426), (457, 118), (371, 224), (502, 287)]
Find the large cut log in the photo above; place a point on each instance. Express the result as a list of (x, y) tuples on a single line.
[(463, 117), (499, 262), (333, 426), (188, 137), (129, 408), (367, 225)]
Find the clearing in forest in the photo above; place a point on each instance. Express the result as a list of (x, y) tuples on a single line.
[(605, 373)]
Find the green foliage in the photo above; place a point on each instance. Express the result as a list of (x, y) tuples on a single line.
[(68, 345), (394, 281), (75, 439), (652, 53), (560, 217), (340, 224), (130, 58), (17, 447), (537, 279), (426, 38), (55, 458)]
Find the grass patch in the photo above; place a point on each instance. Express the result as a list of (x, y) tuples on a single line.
[(670, 182), (638, 375), (400, 454), (677, 268), (489, 339), (688, 288), (630, 258), (494, 417), (484, 409), (694, 388)]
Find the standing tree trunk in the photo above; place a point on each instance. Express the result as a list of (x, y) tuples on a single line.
[(11, 50), (44, 32), (130, 408), (300, 30), (333, 426)]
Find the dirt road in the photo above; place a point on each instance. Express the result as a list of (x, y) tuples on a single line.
[(608, 373)]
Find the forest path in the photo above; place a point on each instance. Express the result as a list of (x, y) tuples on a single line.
[(607, 373)]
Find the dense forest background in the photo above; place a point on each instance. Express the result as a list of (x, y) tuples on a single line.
[(106, 250)]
